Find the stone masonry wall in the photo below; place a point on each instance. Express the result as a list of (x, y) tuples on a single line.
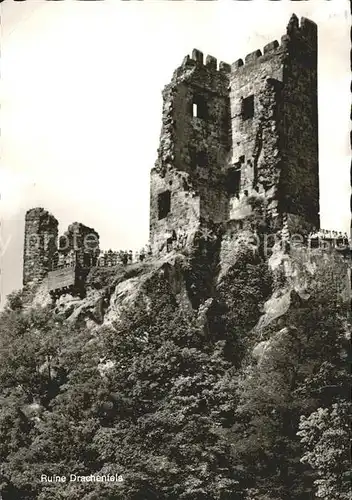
[(83, 241), (276, 149), (250, 78), (193, 150), (300, 178), (181, 131), (43, 251), (185, 205), (256, 148), (260, 177), (40, 244)]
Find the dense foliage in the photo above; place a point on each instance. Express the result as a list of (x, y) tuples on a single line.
[(175, 407)]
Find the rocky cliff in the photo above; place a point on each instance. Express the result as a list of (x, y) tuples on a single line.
[(224, 276), (191, 376)]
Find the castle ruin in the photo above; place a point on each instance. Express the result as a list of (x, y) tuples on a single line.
[(66, 260), (40, 244), (238, 151), (234, 134)]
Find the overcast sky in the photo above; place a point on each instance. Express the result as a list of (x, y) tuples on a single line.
[(81, 105)]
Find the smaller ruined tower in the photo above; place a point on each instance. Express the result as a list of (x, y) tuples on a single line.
[(40, 244), (83, 242)]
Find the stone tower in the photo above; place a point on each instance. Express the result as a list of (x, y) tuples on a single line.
[(40, 244), (237, 136), (187, 181), (274, 128), (81, 240)]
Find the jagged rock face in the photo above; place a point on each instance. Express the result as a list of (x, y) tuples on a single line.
[(222, 283), (104, 305), (168, 275), (88, 311), (297, 278)]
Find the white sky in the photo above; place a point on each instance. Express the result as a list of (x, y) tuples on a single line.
[(81, 105)]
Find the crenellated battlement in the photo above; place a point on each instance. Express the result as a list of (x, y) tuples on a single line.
[(271, 47), (305, 28), (257, 56), (211, 62), (305, 31)]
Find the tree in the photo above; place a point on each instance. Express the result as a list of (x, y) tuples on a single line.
[(301, 369), (325, 436), (173, 394)]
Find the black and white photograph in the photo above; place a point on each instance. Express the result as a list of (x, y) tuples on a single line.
[(175, 250)]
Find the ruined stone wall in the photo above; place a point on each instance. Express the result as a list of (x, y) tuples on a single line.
[(193, 150), (185, 207), (260, 175), (250, 78), (83, 242), (214, 204), (300, 178), (256, 148), (276, 149), (183, 134), (40, 244)]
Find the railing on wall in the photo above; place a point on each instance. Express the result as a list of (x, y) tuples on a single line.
[(325, 238), (109, 258)]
